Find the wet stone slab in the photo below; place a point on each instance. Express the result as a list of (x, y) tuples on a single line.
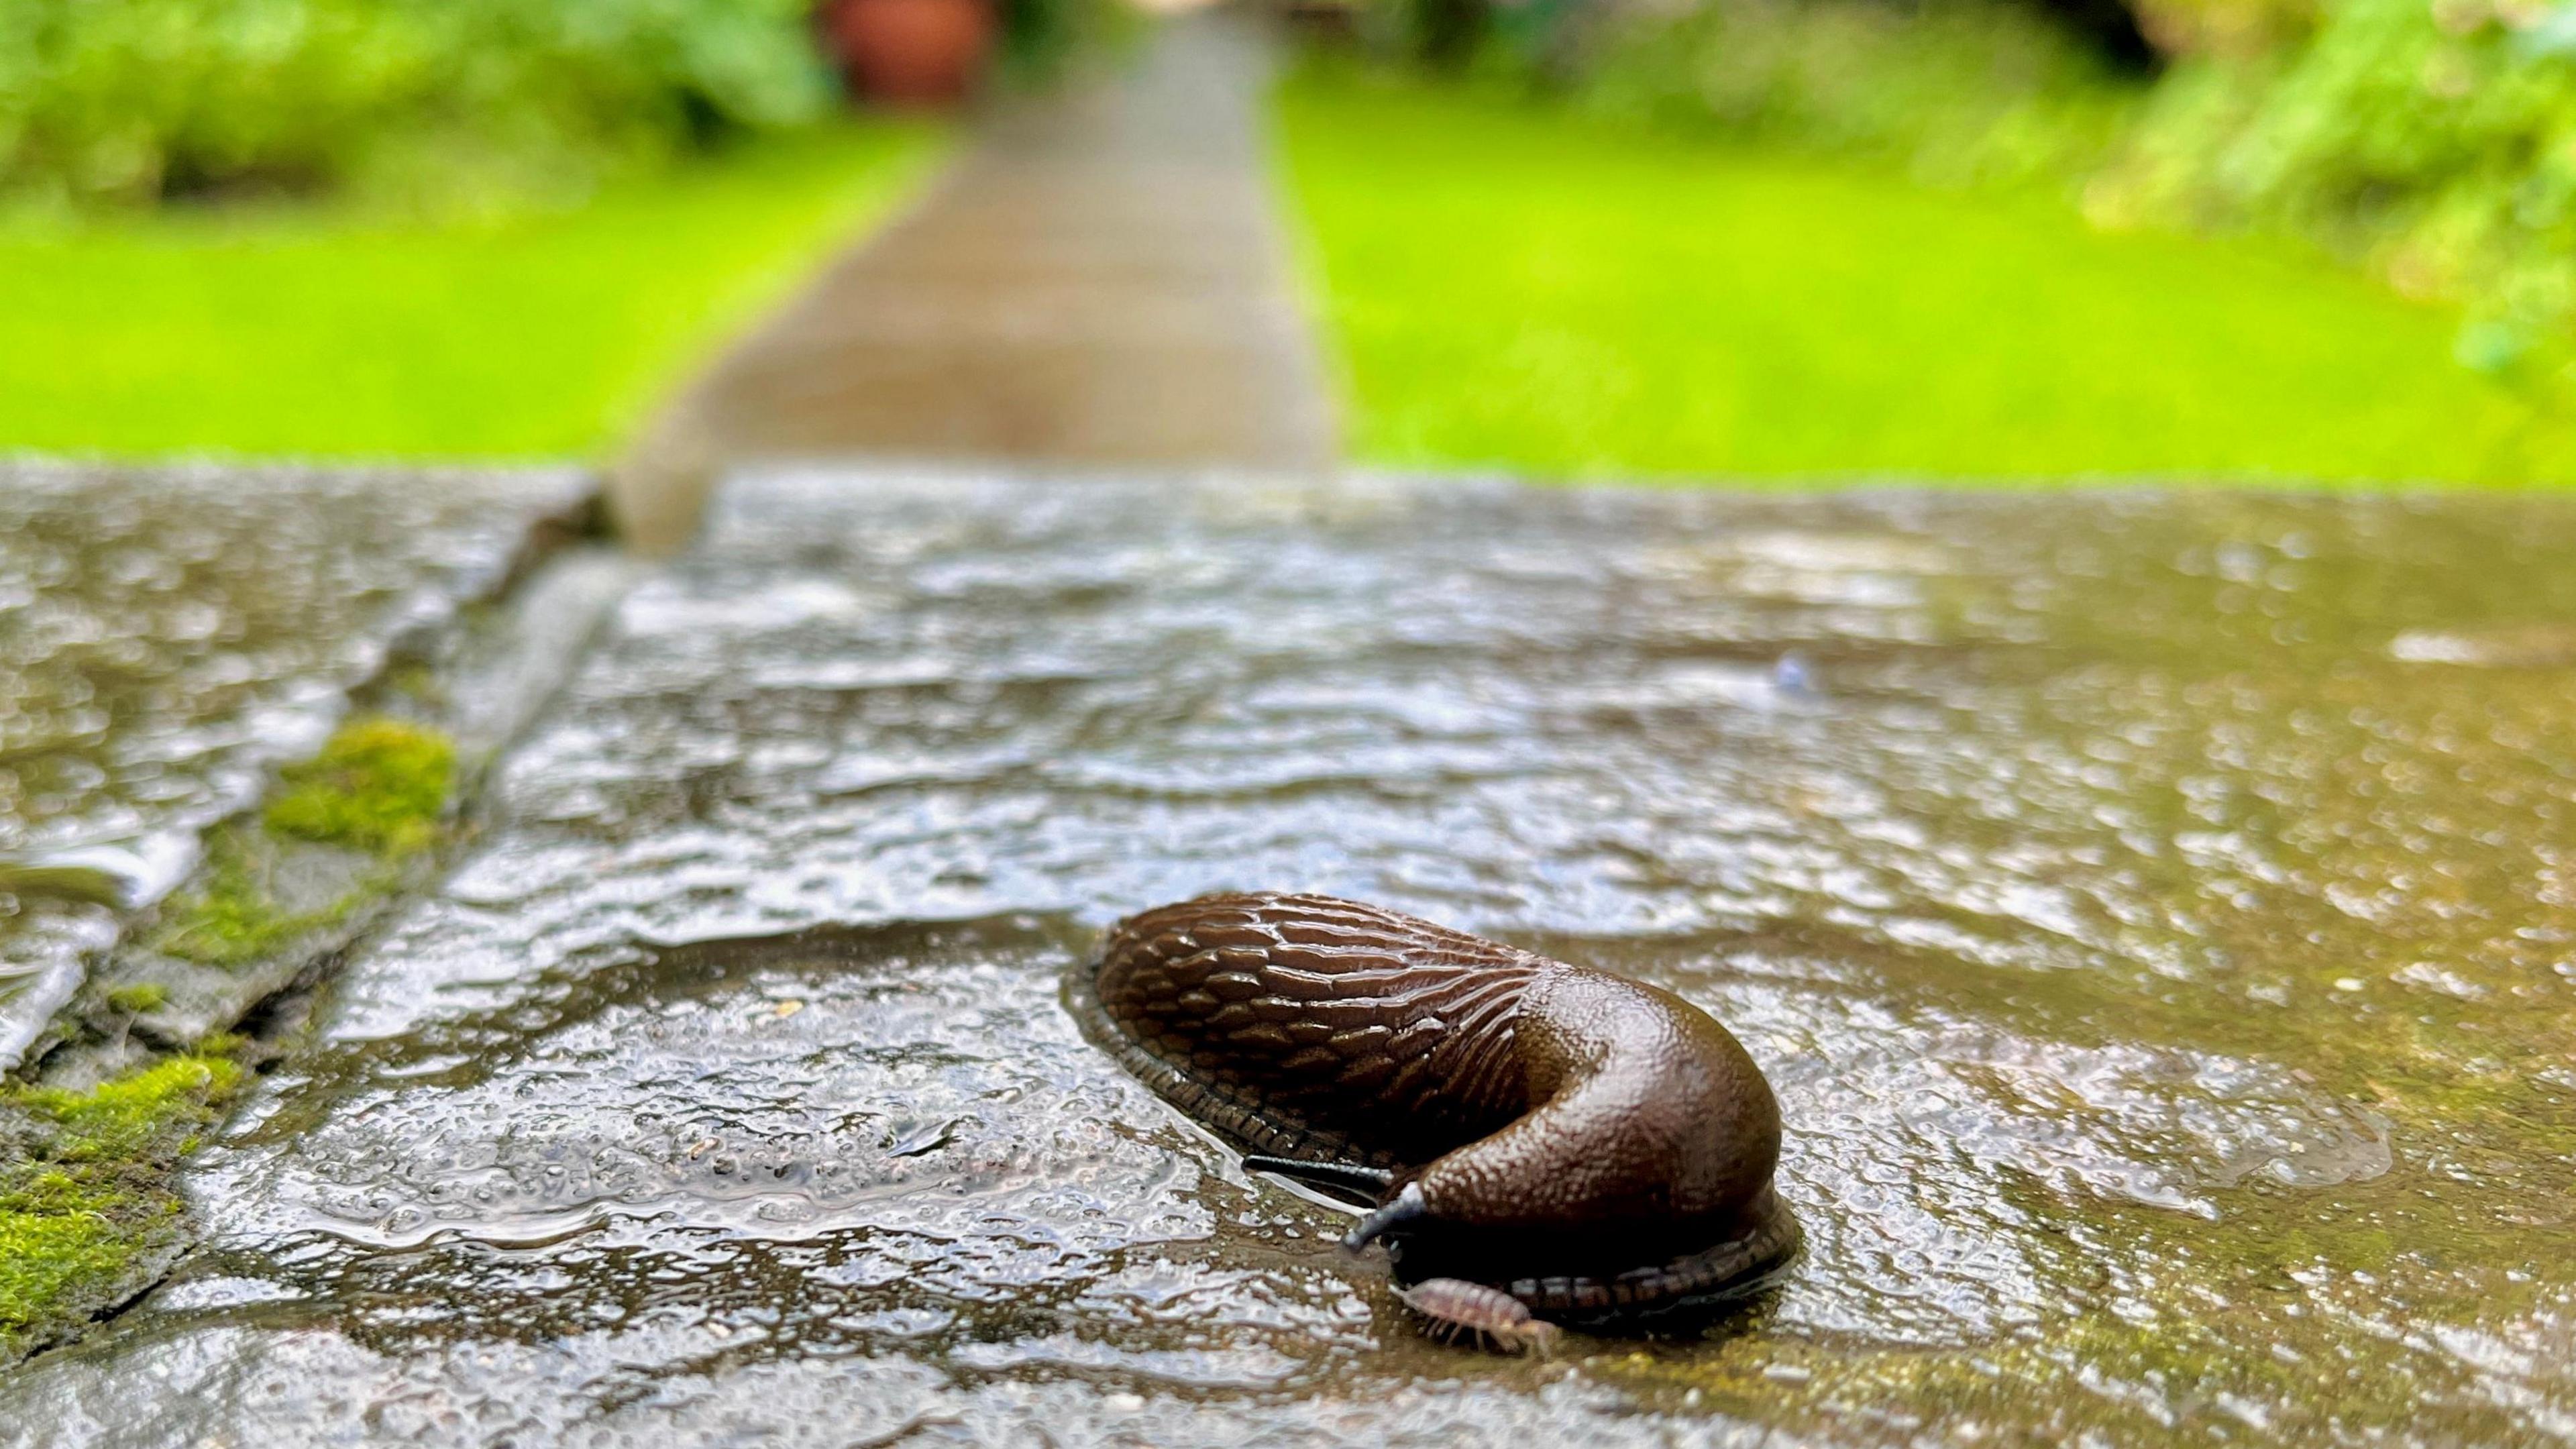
[(169, 634), (2156, 914)]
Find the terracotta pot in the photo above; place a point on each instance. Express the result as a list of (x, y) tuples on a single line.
[(909, 52)]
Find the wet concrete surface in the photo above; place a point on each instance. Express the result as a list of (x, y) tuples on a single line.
[(1099, 280), (168, 635), (2155, 914)]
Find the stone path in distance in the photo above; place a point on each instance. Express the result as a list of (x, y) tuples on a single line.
[(1099, 282)]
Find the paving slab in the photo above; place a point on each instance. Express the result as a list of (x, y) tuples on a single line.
[(2154, 913), (169, 634), (1100, 280)]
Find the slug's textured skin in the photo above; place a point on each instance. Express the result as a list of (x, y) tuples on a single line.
[(1586, 1143)]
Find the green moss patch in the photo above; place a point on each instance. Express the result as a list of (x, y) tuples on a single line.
[(379, 785), (117, 1119), (83, 1185), (137, 999), (235, 918)]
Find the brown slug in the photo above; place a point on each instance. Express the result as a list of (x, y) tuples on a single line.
[(1594, 1147)]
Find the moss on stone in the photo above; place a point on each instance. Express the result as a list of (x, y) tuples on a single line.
[(234, 917), (85, 1192), (379, 785), (138, 998), (84, 1176), (84, 1189), (116, 1119), (55, 1235)]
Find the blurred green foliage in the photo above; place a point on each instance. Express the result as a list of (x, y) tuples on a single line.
[(2237, 28), (2435, 142), (139, 100), (1041, 38), (1954, 90), (1509, 285), (2432, 141)]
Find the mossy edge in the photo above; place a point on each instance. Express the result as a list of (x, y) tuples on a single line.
[(379, 785), (85, 1195), (88, 1209)]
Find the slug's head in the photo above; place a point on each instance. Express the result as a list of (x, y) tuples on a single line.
[(1416, 1214), (1649, 1130)]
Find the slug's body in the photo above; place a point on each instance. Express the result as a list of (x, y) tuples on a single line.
[(1589, 1145)]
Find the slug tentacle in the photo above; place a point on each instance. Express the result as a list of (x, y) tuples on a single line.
[(1400, 1211), (1581, 1143), (1370, 1183)]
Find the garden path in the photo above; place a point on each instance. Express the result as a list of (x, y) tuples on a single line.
[(1099, 281)]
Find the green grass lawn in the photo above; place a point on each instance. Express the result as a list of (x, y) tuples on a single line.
[(1509, 286), (311, 332)]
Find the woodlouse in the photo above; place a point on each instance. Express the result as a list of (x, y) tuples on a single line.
[(1459, 1309)]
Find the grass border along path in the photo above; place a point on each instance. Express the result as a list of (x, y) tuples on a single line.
[(1511, 285), (319, 333)]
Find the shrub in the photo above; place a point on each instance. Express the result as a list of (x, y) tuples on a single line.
[(1040, 38), (2431, 141), (2226, 28), (137, 100), (2435, 142), (1955, 88)]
